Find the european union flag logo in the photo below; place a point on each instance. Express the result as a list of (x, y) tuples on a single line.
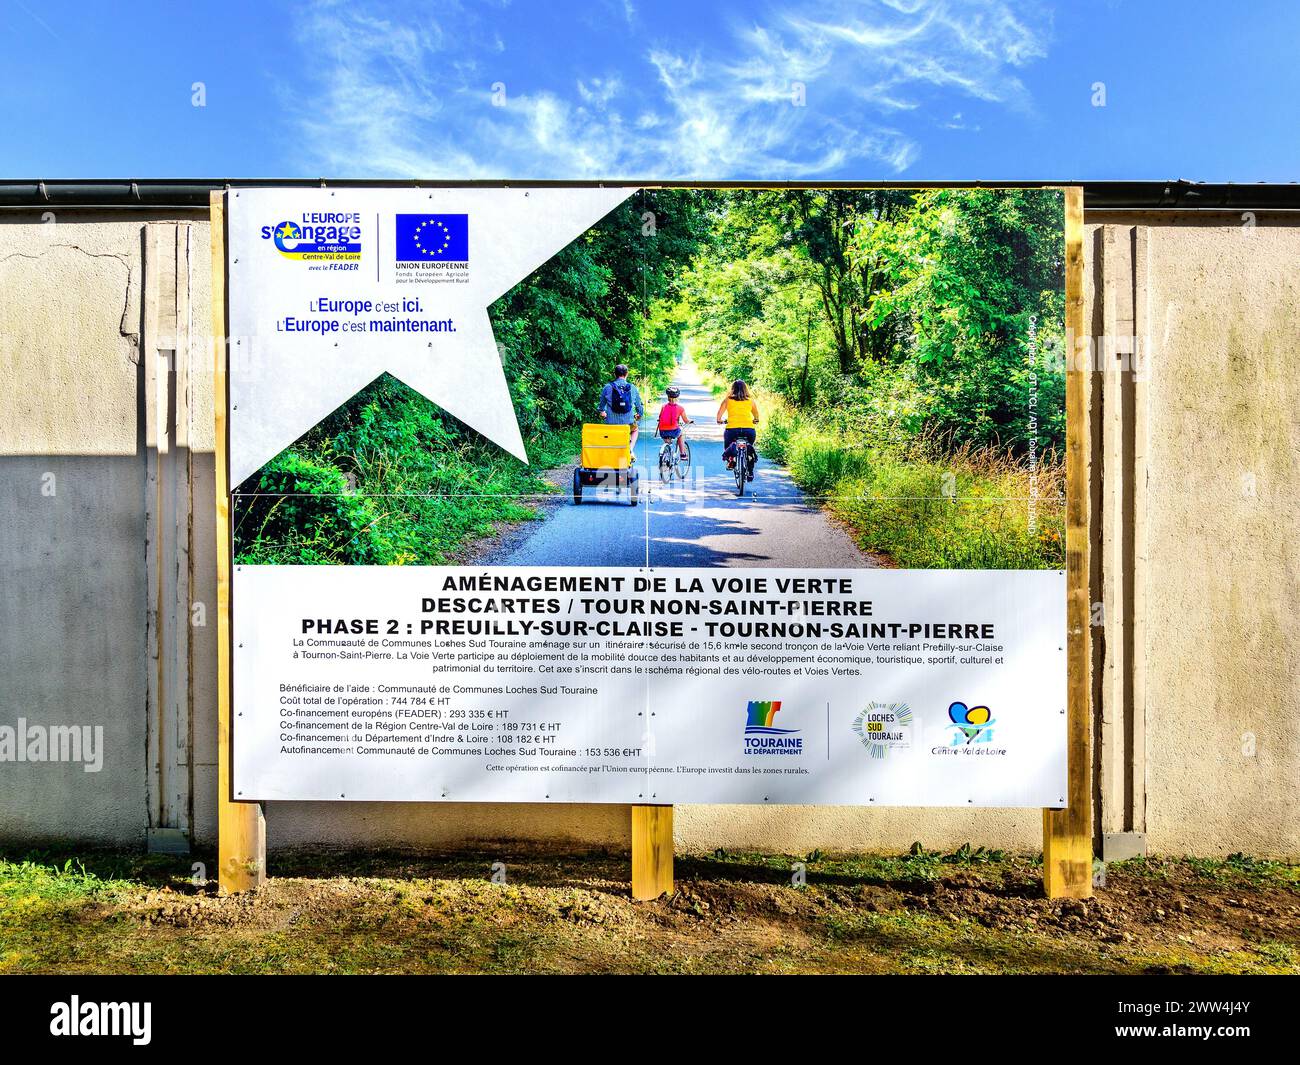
[(440, 237)]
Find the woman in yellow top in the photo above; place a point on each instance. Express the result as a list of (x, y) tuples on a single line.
[(739, 413)]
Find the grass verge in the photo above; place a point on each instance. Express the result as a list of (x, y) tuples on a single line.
[(920, 506), (971, 911)]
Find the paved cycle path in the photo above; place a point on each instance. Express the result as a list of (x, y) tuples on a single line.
[(696, 522)]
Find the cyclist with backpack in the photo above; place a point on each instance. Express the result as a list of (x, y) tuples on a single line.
[(620, 403)]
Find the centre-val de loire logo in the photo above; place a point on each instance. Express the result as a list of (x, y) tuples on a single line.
[(884, 727), (971, 724), (970, 732), (763, 737)]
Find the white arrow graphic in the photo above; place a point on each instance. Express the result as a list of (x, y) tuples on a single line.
[(291, 365)]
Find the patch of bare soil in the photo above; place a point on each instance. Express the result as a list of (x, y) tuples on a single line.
[(722, 907)]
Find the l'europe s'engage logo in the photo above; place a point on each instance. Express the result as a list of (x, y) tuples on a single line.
[(432, 247), (884, 727), (763, 737), (318, 236)]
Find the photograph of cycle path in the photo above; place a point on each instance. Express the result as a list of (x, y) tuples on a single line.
[(905, 347), (696, 520)]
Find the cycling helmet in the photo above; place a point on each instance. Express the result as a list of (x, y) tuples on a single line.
[(672, 392)]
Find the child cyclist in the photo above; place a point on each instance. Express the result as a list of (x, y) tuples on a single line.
[(672, 416)]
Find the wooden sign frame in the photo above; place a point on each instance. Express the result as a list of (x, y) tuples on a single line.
[(241, 828), (1067, 833)]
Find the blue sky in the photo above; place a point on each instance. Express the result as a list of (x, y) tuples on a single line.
[(907, 89)]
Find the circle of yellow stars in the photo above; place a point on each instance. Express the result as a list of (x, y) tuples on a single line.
[(446, 237)]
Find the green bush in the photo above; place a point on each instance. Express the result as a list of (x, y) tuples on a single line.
[(964, 510), (302, 505), (387, 479), (779, 427)]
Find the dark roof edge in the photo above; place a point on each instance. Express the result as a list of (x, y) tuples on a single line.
[(1097, 195)]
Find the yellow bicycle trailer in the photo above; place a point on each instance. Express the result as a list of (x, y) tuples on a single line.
[(606, 453)]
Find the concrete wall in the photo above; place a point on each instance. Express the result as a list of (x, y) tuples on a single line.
[(1215, 562), (72, 563), (1195, 654)]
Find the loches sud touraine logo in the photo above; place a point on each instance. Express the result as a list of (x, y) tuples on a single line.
[(318, 236), (763, 737), (884, 727)]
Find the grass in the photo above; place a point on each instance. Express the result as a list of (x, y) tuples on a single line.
[(921, 505), (966, 911), (1235, 869)]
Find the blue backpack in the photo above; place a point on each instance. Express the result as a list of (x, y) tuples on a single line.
[(620, 400)]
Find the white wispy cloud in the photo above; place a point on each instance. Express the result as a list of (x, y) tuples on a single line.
[(407, 92)]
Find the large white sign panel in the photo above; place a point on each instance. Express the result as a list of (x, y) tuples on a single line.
[(565, 682), (547, 685)]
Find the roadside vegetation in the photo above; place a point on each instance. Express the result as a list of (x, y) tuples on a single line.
[(968, 911), (920, 505), (907, 349), (388, 480)]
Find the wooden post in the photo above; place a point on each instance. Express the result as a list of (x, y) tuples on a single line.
[(652, 852), (1067, 833), (241, 829)]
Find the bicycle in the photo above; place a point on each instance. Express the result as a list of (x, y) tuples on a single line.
[(672, 462), (743, 463)]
